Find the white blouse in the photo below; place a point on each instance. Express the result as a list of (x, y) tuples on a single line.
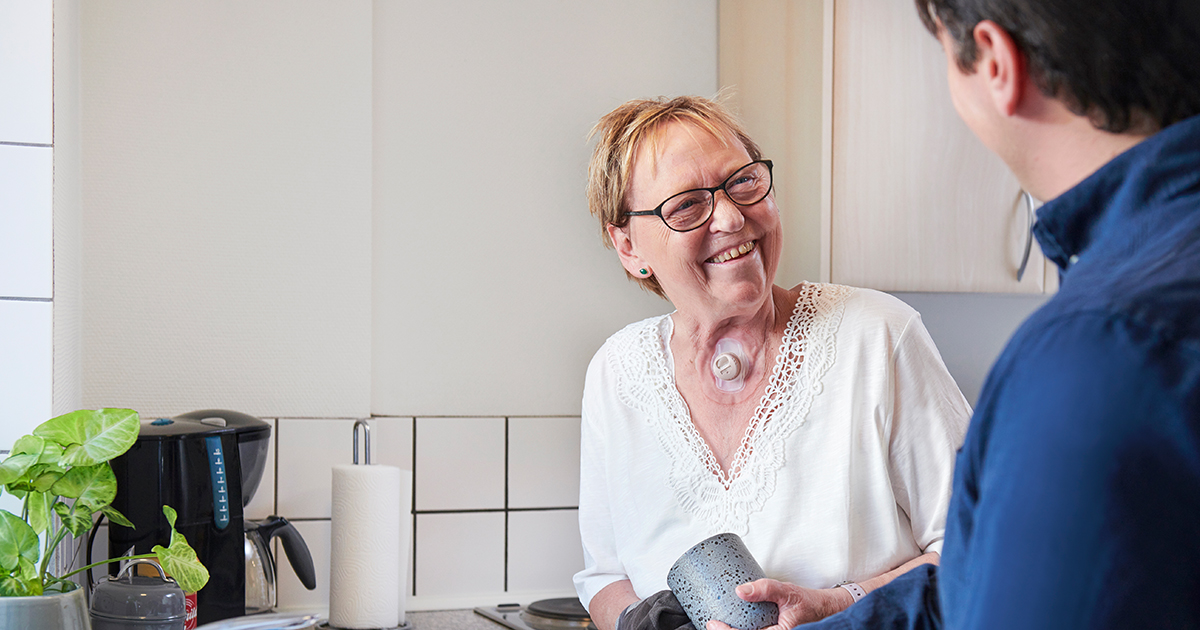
[(844, 472)]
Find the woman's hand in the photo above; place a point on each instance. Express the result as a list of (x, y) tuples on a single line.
[(797, 604)]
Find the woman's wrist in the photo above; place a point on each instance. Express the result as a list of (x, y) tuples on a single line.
[(837, 599)]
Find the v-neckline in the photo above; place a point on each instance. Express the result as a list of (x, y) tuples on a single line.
[(774, 387)]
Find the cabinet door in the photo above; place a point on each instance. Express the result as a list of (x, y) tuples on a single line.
[(918, 203)]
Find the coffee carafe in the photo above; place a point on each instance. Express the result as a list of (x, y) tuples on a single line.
[(206, 465), (260, 562)]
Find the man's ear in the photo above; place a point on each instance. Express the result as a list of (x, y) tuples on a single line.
[(623, 242), (1002, 66)]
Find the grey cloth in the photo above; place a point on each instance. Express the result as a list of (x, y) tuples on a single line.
[(660, 611)]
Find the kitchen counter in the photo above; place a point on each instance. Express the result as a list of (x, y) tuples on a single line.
[(464, 619)]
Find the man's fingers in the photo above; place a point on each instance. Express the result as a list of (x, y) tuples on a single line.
[(758, 590)]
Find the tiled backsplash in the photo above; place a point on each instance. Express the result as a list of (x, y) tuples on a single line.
[(495, 504)]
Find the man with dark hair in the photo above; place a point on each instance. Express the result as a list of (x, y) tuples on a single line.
[(1076, 498)]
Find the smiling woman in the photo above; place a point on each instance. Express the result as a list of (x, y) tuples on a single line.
[(817, 422)]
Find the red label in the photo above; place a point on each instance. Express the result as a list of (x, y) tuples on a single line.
[(189, 621)]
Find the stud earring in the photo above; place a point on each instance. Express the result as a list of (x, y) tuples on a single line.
[(643, 271)]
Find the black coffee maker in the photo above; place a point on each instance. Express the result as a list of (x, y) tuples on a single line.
[(206, 465)]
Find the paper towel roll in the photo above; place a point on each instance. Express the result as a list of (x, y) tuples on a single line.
[(368, 553)]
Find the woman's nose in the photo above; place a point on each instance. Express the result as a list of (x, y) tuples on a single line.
[(727, 216)]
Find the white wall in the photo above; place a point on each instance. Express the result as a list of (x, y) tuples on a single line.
[(262, 179), (68, 211), (491, 287), (227, 206)]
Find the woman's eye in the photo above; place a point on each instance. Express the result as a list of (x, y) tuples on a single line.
[(745, 181)]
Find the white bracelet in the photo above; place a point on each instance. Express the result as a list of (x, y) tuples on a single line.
[(855, 590)]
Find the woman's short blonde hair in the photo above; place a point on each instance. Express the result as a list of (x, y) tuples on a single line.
[(624, 130)]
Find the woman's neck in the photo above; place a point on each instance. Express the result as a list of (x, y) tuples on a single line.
[(695, 345)]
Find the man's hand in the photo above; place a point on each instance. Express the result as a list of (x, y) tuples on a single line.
[(797, 604)]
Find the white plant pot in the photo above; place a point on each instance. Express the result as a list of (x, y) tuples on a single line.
[(60, 611)]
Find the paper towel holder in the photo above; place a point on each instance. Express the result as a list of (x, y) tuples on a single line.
[(366, 440)]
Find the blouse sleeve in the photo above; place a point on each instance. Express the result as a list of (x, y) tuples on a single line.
[(928, 420), (601, 564)]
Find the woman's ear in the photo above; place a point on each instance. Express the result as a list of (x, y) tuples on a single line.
[(1002, 66), (622, 241)]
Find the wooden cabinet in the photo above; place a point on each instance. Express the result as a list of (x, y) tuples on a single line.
[(909, 199)]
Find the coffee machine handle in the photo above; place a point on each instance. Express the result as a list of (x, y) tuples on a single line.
[(293, 545)]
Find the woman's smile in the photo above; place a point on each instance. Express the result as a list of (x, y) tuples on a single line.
[(733, 253)]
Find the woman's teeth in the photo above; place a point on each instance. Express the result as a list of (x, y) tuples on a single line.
[(736, 252)]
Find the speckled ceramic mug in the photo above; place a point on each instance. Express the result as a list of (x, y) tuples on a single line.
[(704, 578)]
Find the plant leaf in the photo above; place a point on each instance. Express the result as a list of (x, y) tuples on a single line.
[(39, 510), (116, 517), (27, 571), (51, 455), (48, 452), (181, 563), (93, 487), (179, 560), (12, 587), (15, 466), (73, 455), (46, 480), (101, 435), (29, 444), (78, 524), (65, 429), (17, 541)]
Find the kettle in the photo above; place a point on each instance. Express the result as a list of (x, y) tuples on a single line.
[(260, 562)]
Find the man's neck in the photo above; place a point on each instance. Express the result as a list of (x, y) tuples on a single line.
[(1055, 149)]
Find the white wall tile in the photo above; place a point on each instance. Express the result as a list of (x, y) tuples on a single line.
[(544, 551), (460, 464), (26, 221), (459, 554), (99, 552), (290, 593), (26, 370), (543, 462), (8, 502), (308, 449), (263, 503), (26, 70), (392, 443)]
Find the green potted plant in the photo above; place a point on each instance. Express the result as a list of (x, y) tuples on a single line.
[(61, 469)]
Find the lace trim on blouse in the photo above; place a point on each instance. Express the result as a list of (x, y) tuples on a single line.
[(646, 382)]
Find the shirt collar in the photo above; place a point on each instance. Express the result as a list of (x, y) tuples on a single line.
[(1154, 169)]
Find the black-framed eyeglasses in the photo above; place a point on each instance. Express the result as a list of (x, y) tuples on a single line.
[(688, 210)]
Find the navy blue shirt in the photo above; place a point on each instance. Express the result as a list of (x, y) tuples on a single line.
[(1076, 498)]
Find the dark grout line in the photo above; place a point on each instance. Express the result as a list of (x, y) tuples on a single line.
[(414, 507), (463, 511), (9, 298), (506, 449), (42, 145), (275, 498)]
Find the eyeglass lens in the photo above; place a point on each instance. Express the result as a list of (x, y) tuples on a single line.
[(690, 208)]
